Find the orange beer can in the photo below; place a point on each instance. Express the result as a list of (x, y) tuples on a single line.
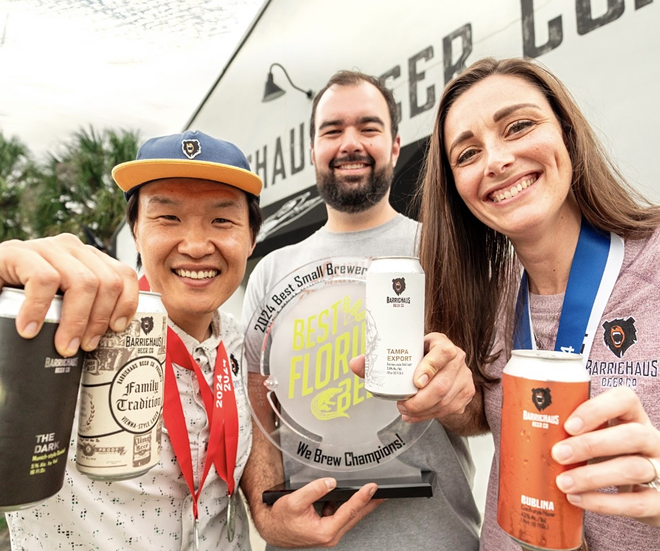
[(540, 389)]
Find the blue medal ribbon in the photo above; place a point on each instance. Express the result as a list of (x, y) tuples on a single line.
[(584, 281)]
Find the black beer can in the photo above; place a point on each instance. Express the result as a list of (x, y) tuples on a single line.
[(38, 393)]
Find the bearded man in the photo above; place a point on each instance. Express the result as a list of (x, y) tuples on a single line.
[(355, 146)]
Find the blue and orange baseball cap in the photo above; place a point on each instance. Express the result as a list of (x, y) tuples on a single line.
[(191, 154)]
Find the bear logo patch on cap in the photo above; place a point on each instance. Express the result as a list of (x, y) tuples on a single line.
[(191, 148)]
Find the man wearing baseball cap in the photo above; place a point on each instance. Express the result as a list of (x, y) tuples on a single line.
[(193, 209)]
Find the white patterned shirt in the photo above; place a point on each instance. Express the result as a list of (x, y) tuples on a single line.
[(154, 511)]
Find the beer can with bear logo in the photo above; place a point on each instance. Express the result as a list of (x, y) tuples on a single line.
[(540, 389), (394, 326), (121, 397), (38, 396)]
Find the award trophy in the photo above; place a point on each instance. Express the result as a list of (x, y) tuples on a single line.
[(312, 407)]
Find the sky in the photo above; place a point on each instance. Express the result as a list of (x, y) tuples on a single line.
[(136, 64)]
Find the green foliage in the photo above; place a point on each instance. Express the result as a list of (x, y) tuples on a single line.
[(74, 191), (16, 166), (4, 531)]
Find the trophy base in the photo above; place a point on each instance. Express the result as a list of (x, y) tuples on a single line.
[(388, 488)]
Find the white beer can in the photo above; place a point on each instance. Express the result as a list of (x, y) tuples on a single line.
[(395, 326), (121, 398)]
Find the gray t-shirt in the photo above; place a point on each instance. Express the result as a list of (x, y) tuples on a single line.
[(448, 521)]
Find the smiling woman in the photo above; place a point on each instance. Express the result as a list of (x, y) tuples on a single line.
[(509, 161), (515, 177)]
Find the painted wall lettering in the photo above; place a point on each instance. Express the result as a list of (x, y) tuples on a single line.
[(393, 73), (414, 76), (278, 163), (463, 33), (555, 32), (586, 23), (297, 167), (423, 86)]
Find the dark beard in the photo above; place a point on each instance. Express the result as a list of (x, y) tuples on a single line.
[(354, 198)]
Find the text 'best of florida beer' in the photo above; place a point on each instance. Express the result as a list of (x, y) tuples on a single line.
[(121, 399), (540, 389), (395, 326), (38, 392)]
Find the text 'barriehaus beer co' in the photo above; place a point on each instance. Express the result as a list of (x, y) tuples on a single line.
[(121, 397), (540, 389), (395, 326)]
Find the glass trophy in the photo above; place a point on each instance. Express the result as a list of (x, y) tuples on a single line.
[(311, 406)]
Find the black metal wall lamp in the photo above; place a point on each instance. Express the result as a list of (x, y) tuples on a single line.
[(273, 91)]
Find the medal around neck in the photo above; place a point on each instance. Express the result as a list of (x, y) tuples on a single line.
[(311, 405), (231, 517)]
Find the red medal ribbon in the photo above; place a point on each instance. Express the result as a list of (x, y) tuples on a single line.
[(143, 284), (220, 404)]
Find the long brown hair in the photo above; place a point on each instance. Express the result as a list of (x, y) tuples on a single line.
[(471, 269)]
